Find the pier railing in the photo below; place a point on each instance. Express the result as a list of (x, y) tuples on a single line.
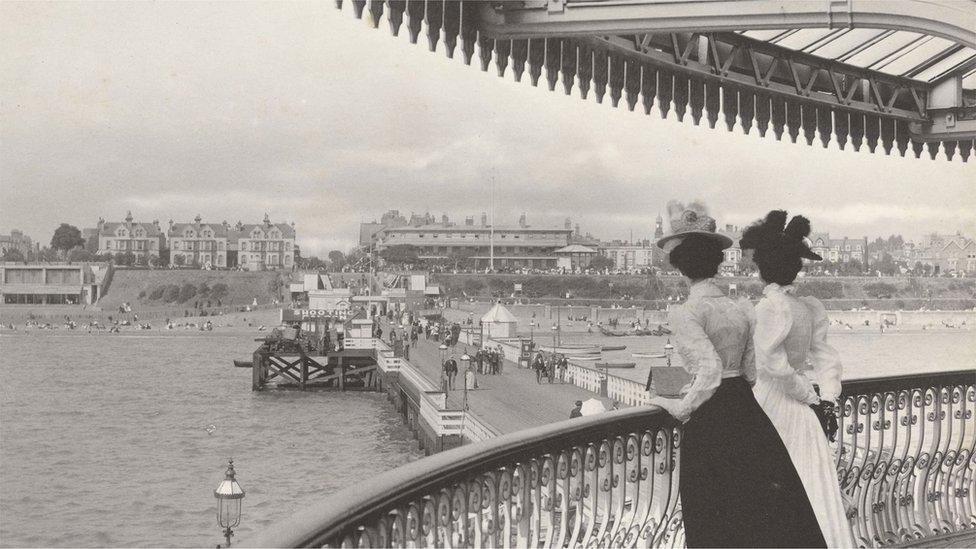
[(906, 459), (603, 480)]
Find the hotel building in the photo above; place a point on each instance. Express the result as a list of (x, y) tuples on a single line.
[(141, 239), (263, 246), (519, 245), (198, 243)]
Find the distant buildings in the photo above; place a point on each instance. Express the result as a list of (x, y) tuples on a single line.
[(733, 254), (16, 240), (196, 243), (840, 250), (482, 244), (143, 240), (264, 245), (946, 254), (628, 256), (52, 284)]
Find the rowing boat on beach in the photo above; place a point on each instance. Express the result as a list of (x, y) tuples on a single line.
[(613, 347), (242, 363), (585, 358), (612, 365), (648, 355), (572, 349)]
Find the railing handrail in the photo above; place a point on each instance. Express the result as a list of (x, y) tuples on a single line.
[(852, 387), (315, 525)]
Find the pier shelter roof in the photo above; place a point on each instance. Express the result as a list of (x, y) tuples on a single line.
[(900, 73)]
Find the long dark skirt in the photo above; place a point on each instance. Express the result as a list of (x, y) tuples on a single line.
[(738, 484)]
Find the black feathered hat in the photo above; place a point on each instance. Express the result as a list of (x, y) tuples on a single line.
[(773, 234)]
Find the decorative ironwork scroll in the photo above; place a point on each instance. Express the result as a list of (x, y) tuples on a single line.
[(906, 459), (596, 481)]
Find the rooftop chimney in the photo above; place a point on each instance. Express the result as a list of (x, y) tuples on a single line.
[(469, 221), (444, 219), (577, 229), (484, 219), (522, 220), (569, 223)]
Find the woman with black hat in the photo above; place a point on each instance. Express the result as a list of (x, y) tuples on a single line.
[(798, 372), (738, 485)]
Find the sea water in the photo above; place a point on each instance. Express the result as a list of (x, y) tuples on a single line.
[(120, 440)]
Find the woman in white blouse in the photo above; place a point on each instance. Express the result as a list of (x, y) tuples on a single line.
[(738, 485), (798, 372)]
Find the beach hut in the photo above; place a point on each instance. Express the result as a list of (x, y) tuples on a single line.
[(498, 322)]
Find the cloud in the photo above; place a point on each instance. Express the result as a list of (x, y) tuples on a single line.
[(234, 110)]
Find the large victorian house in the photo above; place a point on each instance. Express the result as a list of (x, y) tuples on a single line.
[(199, 244), (143, 240), (264, 246)]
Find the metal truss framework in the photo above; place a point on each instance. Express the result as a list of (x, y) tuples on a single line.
[(713, 71)]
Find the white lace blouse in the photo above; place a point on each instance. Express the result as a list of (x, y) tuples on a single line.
[(713, 335), (791, 345)]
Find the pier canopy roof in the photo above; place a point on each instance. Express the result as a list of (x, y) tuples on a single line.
[(900, 73)]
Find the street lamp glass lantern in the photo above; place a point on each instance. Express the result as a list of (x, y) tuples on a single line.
[(668, 349), (229, 495)]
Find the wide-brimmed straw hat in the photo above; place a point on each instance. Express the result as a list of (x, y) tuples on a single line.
[(690, 222)]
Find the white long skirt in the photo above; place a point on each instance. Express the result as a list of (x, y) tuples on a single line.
[(804, 439)]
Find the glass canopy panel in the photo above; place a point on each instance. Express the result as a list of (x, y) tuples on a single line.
[(948, 63), (803, 38), (848, 42), (916, 56), (885, 48)]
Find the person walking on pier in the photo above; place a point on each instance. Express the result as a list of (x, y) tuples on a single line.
[(799, 372), (577, 411), (539, 365), (451, 368), (730, 451)]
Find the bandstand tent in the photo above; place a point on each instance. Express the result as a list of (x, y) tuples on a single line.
[(498, 322)]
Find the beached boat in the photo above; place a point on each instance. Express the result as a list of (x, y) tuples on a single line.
[(242, 363), (633, 332), (647, 355), (613, 347), (611, 365), (587, 357), (572, 349)]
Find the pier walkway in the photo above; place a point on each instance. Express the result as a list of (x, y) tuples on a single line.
[(510, 401)]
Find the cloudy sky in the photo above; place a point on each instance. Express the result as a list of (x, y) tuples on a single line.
[(232, 110)]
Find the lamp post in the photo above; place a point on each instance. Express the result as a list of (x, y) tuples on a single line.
[(443, 351), (532, 330), (467, 360), (555, 330), (229, 495), (668, 351)]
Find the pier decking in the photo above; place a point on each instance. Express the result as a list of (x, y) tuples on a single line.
[(510, 401)]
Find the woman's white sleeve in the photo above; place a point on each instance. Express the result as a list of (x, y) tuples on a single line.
[(774, 319), (700, 359), (825, 359)]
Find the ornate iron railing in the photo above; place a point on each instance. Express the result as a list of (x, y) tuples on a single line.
[(609, 480), (906, 458), (905, 461)]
